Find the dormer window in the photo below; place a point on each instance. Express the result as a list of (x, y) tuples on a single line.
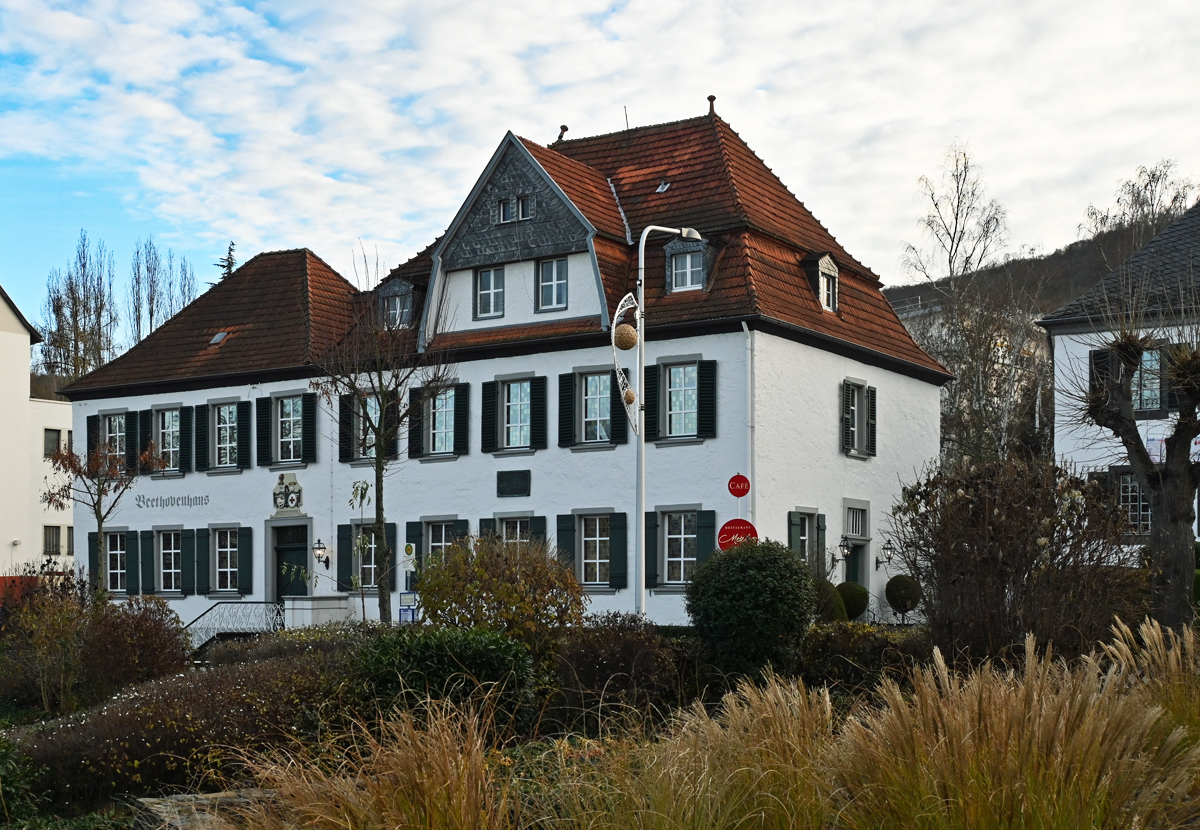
[(395, 306), (828, 284), (687, 271)]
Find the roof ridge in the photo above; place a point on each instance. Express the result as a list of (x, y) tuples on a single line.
[(737, 198), (627, 130)]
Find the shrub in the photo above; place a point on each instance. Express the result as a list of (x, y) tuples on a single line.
[(519, 589), (851, 658), (751, 605), (903, 594), (334, 639), (137, 640), (856, 598), (18, 803), (615, 663), (467, 666), (830, 605)]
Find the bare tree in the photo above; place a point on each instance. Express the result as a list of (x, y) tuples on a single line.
[(380, 380), (1144, 205), (157, 292), (79, 317)]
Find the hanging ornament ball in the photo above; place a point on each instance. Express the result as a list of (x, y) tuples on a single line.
[(629, 397), (625, 337)]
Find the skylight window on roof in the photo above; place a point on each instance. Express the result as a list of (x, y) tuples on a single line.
[(662, 186), (218, 338)]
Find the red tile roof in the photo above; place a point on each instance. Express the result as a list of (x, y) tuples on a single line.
[(281, 310), (587, 189)]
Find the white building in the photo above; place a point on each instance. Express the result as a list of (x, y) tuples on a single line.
[(770, 351), (34, 428), (1153, 290)]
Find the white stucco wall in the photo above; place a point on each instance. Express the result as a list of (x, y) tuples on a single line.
[(520, 295)]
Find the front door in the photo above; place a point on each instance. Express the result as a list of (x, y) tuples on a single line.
[(291, 561)]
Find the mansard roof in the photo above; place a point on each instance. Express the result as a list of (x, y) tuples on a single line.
[(281, 311), (1159, 281)]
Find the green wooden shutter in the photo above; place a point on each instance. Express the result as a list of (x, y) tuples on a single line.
[(706, 399), (651, 547), (187, 561), (200, 422), (145, 420), (308, 433), (1102, 369), (795, 523), (345, 427), (133, 563), (706, 535), (462, 419), (391, 426), (460, 529), (821, 540), (131, 441), (564, 539), (149, 557), (345, 557), (416, 423), (537, 527), (243, 435), (185, 439), (245, 561), (618, 550), (389, 537), (847, 416), (93, 543), (649, 393), (566, 410), (487, 416), (262, 412), (618, 427), (487, 527), (202, 561), (413, 532), (537, 413), (871, 420), (93, 434)]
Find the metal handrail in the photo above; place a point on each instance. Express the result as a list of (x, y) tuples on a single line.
[(248, 617)]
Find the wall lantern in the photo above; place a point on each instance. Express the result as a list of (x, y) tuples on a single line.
[(845, 549), (321, 554), (889, 551)]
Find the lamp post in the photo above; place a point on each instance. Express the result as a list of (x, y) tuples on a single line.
[(639, 426)]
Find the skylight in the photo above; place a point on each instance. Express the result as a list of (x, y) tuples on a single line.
[(662, 186), (217, 338)]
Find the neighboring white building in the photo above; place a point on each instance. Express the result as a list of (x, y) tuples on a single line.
[(33, 428), (770, 351), (1154, 289)]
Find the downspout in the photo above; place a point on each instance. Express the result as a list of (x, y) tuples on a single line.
[(750, 418)]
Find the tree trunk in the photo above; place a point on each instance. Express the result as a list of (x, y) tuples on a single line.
[(1172, 496), (383, 555)]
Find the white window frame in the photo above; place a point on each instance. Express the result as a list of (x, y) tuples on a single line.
[(687, 271), (441, 536), (856, 522), (514, 529), (114, 439), (226, 544), (856, 415), (439, 439), (596, 558), (1146, 384), (51, 540), (1135, 503), (494, 293), (523, 210), (828, 285), (225, 435), (51, 445), (675, 549), (289, 411), (552, 277), (167, 435), (366, 549), (597, 407), (397, 310), (366, 408), (517, 429), (677, 406), (170, 560), (507, 214), (118, 571)]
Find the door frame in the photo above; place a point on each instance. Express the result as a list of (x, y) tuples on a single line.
[(270, 562)]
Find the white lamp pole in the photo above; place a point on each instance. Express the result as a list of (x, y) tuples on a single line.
[(639, 574)]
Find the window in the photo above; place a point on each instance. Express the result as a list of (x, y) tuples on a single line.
[(440, 536), (397, 310), (858, 418), (113, 434), (227, 560), (516, 413), (489, 296), (70, 540), (523, 207), (595, 550), (687, 271), (368, 565), (681, 400), (828, 284), (597, 402), (168, 437), (51, 439), (1146, 387), (552, 285), (171, 557), (1134, 502), (681, 546), (291, 422), (506, 210), (441, 423), (227, 435), (51, 540), (856, 521), (514, 530), (116, 561), (364, 438)]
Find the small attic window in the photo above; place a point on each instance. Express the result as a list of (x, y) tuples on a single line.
[(218, 338), (662, 186), (395, 304), (828, 284)]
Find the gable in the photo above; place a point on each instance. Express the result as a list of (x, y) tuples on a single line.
[(480, 238)]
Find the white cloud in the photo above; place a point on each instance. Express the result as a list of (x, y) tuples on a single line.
[(283, 124)]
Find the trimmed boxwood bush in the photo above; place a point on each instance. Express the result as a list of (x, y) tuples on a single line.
[(903, 593), (751, 605), (851, 658), (856, 598), (830, 606)]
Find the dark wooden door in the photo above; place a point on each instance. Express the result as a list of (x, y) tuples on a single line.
[(291, 561)]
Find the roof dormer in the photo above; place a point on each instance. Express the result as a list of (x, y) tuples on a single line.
[(822, 272)]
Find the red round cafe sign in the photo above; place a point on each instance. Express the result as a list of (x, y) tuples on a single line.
[(734, 532), (739, 486)]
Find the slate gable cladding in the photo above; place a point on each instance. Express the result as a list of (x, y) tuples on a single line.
[(482, 239)]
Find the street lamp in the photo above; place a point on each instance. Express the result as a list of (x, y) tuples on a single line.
[(889, 551), (620, 339)]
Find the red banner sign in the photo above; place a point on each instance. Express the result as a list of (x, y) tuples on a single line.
[(739, 486), (734, 532)]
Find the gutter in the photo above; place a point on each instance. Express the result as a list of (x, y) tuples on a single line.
[(750, 417)]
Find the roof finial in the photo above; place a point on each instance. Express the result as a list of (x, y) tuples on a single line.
[(562, 130), (712, 109)]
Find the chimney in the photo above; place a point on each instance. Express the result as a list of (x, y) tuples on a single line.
[(562, 130), (712, 109)]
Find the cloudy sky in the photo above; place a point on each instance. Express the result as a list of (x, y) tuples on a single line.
[(318, 124)]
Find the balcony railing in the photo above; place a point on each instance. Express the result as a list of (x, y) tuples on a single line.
[(231, 617)]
